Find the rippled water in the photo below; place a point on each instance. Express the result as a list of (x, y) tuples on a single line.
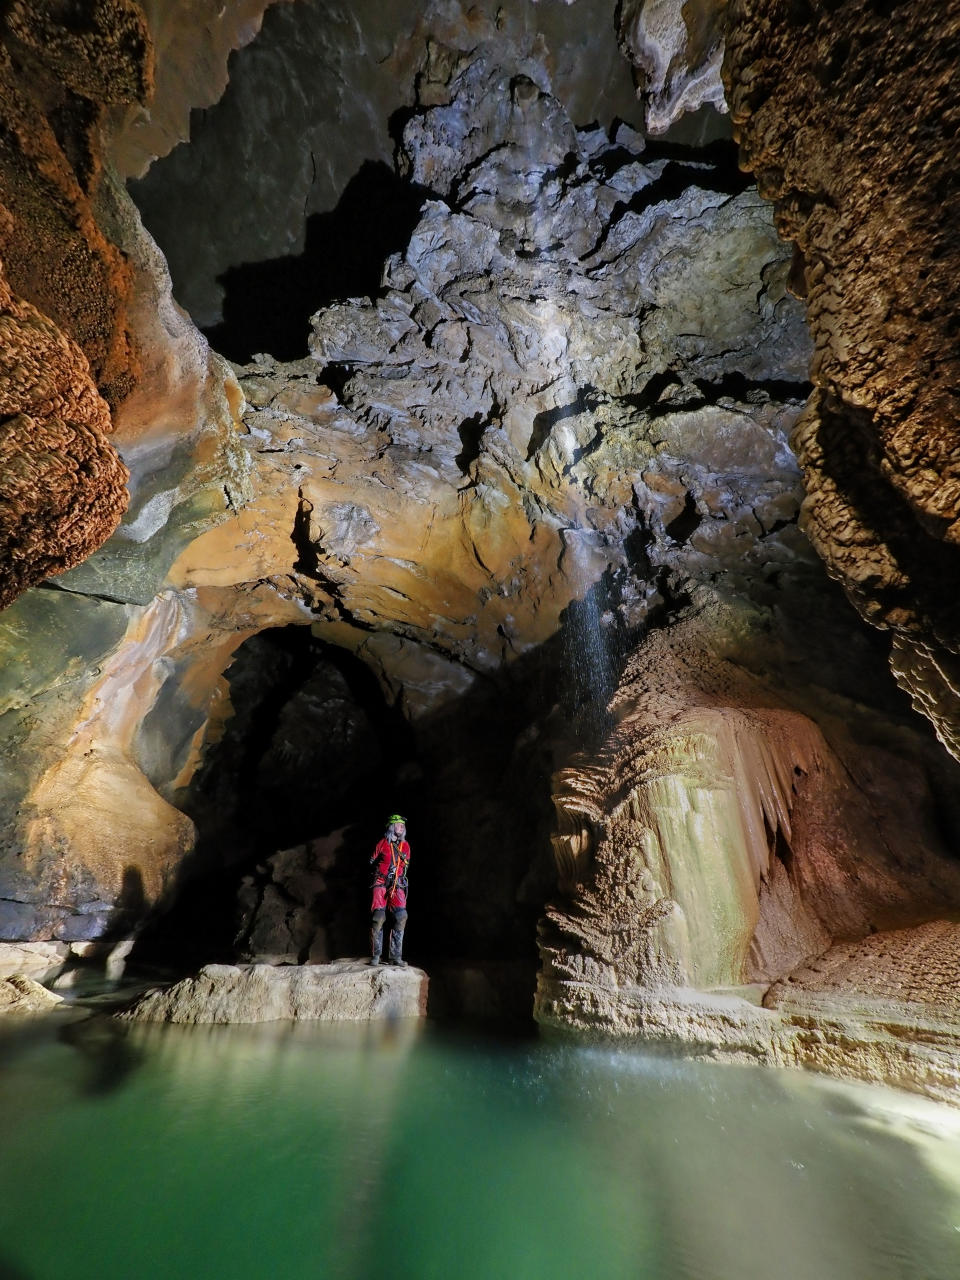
[(283, 1152)]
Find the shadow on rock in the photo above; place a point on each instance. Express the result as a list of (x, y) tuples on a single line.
[(267, 305)]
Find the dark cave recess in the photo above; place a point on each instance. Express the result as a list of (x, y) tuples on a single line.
[(314, 759), (267, 305)]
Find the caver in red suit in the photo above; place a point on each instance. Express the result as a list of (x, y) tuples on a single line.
[(390, 861)]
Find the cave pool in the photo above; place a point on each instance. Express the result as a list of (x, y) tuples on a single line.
[(301, 1150)]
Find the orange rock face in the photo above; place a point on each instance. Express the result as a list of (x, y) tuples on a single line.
[(61, 484), (846, 115), (65, 353)]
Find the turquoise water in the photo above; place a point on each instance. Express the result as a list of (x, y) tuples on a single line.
[(278, 1152)]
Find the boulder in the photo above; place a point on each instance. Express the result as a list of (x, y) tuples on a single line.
[(20, 994), (344, 991)]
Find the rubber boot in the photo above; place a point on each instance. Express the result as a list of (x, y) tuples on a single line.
[(396, 939), (376, 935)]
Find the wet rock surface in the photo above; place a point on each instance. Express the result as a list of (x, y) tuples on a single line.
[(569, 400), (550, 373), (40, 961), (347, 990)]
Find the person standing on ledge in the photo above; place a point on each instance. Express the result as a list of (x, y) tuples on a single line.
[(390, 861)]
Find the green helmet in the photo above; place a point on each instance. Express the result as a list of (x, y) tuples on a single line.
[(396, 817)]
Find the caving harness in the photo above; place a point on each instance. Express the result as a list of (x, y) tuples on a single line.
[(389, 892), (396, 876)]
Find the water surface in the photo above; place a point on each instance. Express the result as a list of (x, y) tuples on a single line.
[(281, 1152)]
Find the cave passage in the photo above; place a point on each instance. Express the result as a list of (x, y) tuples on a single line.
[(290, 802), (310, 763)]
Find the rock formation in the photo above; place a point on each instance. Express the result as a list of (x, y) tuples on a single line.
[(347, 991), (66, 348), (551, 443), (722, 851), (864, 184), (511, 420), (676, 51), (20, 994), (858, 167)]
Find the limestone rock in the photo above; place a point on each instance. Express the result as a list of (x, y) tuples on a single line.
[(301, 139), (904, 970), (192, 44), (65, 350), (40, 961), (95, 843), (61, 482), (676, 50), (501, 425), (20, 994), (561, 423), (346, 990), (281, 907), (720, 844)]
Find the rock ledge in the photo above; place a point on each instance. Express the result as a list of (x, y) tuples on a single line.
[(346, 990)]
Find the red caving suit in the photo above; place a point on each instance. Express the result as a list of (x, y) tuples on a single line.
[(385, 858)]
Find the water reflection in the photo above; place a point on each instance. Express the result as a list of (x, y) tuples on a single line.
[(7, 1272), (302, 1151), (105, 1046)]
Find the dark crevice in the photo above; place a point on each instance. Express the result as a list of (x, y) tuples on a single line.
[(336, 377), (470, 432), (781, 850), (306, 562), (681, 527), (49, 585), (311, 747), (655, 403), (267, 305), (584, 451), (737, 386)]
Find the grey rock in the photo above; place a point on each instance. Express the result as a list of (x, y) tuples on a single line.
[(677, 51)]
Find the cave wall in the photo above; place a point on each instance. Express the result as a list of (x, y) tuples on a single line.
[(68, 355), (298, 154), (556, 435), (86, 841), (306, 496), (861, 172)]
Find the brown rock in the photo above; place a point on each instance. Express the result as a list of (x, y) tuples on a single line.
[(722, 843), (41, 961), (62, 485), (847, 119), (64, 289)]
